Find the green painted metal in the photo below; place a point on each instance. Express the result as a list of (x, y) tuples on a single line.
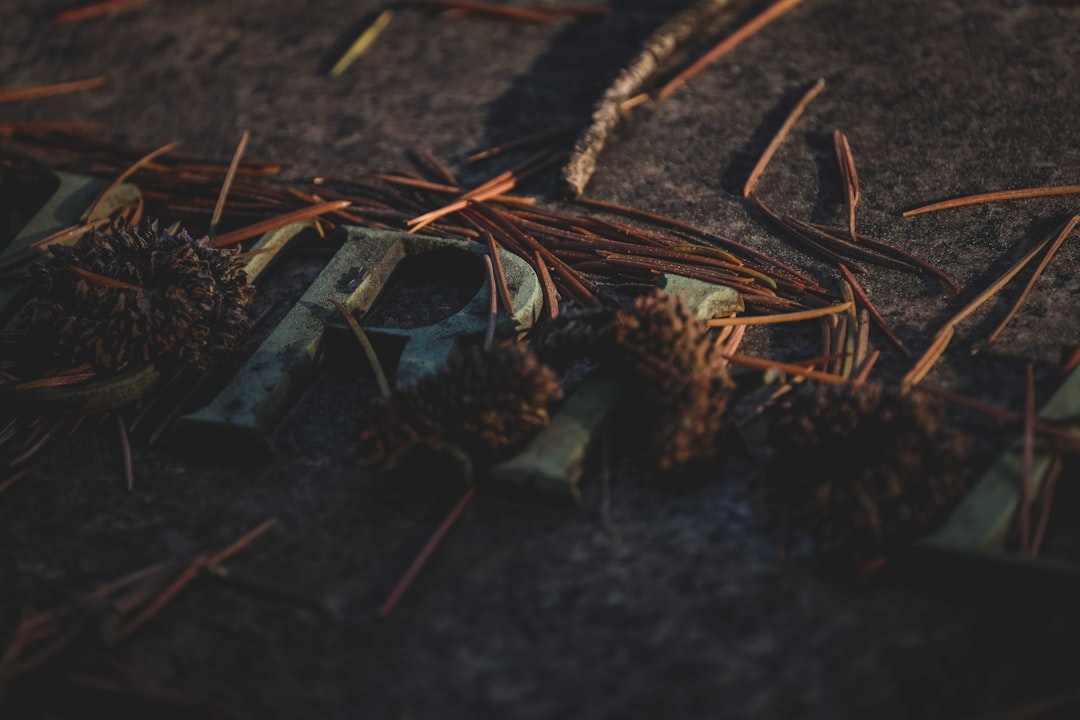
[(249, 407), (982, 520)]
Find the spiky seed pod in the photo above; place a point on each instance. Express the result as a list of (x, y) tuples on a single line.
[(866, 468), (173, 298), (675, 383), (574, 335), (482, 401)]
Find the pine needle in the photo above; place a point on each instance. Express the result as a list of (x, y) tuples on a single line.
[(782, 135), (996, 196), (362, 43)]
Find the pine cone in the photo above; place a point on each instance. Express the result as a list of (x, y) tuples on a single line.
[(867, 468), (676, 386), (177, 298), (482, 401)]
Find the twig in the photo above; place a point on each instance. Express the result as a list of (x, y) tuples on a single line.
[(781, 135), (729, 43), (363, 42), (407, 580), (230, 175), (996, 196), (656, 50)]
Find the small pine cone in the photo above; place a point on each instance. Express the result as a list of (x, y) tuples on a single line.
[(483, 401), (176, 298), (868, 468), (676, 385), (574, 335)]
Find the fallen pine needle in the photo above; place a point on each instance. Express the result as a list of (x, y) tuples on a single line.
[(93, 10), (230, 175), (56, 381), (1047, 501), (1031, 283), (280, 221), (141, 162), (751, 28), (996, 196), (782, 135), (792, 369), (362, 43), (407, 580), (540, 17), (14, 94), (874, 314), (125, 447), (782, 317), (102, 280), (365, 343), (493, 305)]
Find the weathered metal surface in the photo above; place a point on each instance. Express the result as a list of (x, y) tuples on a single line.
[(249, 407)]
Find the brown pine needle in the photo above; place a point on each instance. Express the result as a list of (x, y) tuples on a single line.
[(365, 343), (874, 314), (363, 42), (539, 17), (797, 370), (102, 280), (280, 221), (1028, 462), (141, 162), (751, 28), (55, 381), (74, 232), (189, 575), (8, 129), (93, 10), (864, 371), (537, 138), (420, 221), (781, 135), (782, 317), (1069, 226), (996, 196), (407, 580), (1047, 502), (230, 175), (851, 178), (500, 274), (15, 94), (1073, 361), (551, 298), (125, 447), (941, 340), (437, 166)]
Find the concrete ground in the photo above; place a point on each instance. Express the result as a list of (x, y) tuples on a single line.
[(683, 608)]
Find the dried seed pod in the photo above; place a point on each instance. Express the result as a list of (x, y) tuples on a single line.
[(676, 385), (133, 295), (482, 401), (866, 468)]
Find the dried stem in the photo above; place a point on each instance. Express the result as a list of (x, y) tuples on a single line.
[(1031, 283)]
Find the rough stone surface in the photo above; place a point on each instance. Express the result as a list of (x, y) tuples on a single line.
[(684, 609)]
